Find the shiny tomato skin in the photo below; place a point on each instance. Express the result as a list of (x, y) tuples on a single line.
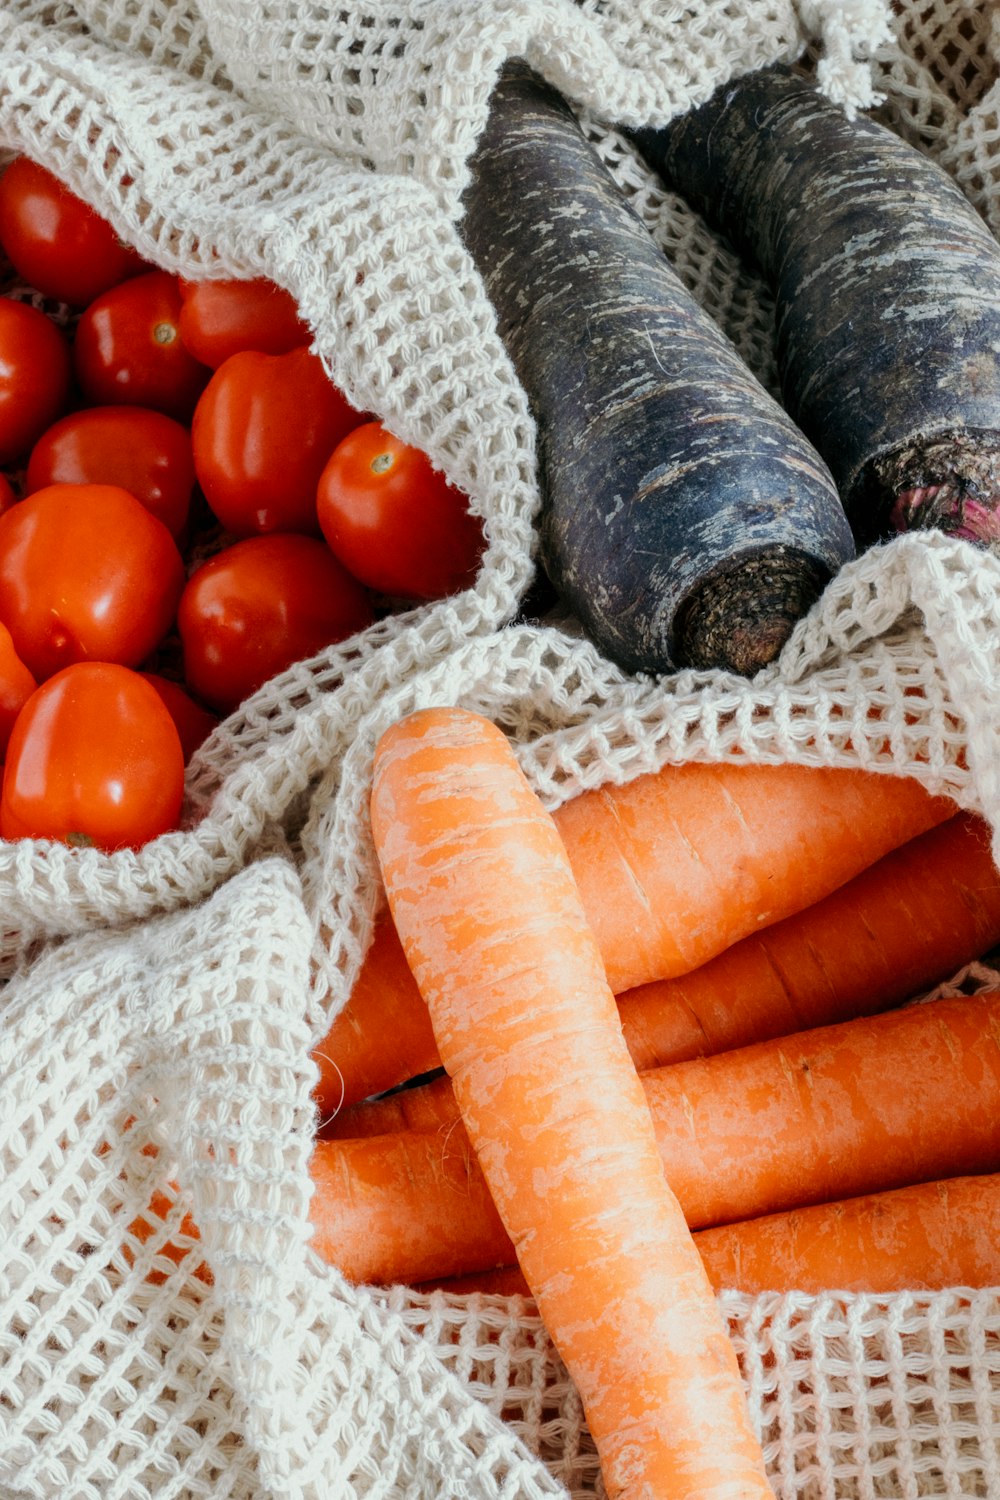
[(394, 521), (16, 687), (86, 573), (260, 605), (94, 759), (221, 318), (128, 349), (139, 450), (193, 723), (55, 241), (262, 432), (35, 376)]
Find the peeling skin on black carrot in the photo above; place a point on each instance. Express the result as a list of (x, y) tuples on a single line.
[(887, 291), (663, 463)]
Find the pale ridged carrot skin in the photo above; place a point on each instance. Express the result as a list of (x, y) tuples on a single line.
[(862, 1107), (673, 869), (906, 923), (635, 855), (880, 1102), (898, 928), (485, 905), (923, 1238)]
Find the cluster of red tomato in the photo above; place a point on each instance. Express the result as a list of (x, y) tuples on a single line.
[(173, 404)]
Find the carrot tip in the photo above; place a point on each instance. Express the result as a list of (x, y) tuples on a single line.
[(740, 618), (950, 508), (949, 484)]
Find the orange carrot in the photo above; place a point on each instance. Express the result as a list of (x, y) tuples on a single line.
[(674, 868), (151, 1225), (501, 1281), (436, 1203), (898, 928), (491, 923), (922, 1238), (431, 1106), (912, 919), (861, 1107), (384, 1037), (875, 1103), (384, 1028)]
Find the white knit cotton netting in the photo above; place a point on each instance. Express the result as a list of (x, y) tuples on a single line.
[(159, 1007)]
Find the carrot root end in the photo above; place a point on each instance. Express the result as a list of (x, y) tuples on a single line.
[(949, 484), (741, 617)]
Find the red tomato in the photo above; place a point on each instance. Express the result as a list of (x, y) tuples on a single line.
[(94, 759), (220, 318), (16, 687), (142, 451), (86, 573), (262, 432), (35, 375), (257, 607), (128, 349), (394, 521), (7, 495), (193, 723), (57, 243)]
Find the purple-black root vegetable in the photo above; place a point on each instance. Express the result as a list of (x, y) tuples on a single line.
[(887, 290), (685, 520)]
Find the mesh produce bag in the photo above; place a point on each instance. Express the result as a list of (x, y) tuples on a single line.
[(158, 1007)]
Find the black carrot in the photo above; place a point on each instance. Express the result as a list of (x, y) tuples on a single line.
[(685, 519), (887, 284)]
